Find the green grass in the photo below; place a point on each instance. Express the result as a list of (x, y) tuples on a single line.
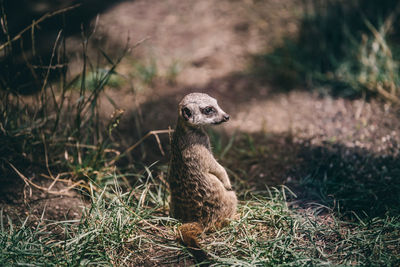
[(269, 233), (345, 48), (145, 72), (58, 128), (100, 78), (131, 227), (116, 228)]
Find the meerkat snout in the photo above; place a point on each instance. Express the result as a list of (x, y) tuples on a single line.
[(226, 117)]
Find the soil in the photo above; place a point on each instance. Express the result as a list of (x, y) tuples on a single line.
[(20, 200), (213, 42)]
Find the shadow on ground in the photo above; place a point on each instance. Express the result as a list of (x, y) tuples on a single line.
[(334, 171), (344, 179), (342, 175), (23, 64), (334, 43)]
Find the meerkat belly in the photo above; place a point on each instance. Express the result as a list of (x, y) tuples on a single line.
[(197, 197)]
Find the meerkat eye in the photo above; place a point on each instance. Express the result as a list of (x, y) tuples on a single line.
[(186, 113), (208, 110)]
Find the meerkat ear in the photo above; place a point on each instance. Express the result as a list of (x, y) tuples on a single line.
[(186, 113)]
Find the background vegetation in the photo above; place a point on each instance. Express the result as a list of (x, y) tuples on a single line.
[(349, 48)]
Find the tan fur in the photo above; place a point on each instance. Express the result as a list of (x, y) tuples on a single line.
[(201, 192)]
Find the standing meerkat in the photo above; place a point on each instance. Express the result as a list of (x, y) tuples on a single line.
[(201, 193)]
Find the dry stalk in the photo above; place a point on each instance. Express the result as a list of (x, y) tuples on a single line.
[(34, 23), (387, 95), (63, 192), (107, 150), (68, 181), (155, 133)]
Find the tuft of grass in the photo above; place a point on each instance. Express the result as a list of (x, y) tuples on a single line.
[(118, 228), (131, 228), (145, 72), (270, 232), (101, 77), (59, 130), (348, 47), (345, 213), (173, 71)]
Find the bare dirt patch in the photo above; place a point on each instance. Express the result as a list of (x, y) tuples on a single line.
[(19, 200)]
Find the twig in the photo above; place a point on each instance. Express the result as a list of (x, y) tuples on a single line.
[(34, 23), (155, 133), (47, 160), (159, 144), (378, 36), (387, 95), (68, 181), (62, 192), (46, 79), (54, 182), (388, 24), (107, 150)]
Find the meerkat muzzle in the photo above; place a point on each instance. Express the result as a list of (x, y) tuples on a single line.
[(226, 117)]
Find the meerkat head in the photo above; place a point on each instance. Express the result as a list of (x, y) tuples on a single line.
[(199, 109)]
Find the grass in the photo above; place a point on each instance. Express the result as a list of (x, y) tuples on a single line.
[(115, 229), (58, 133), (132, 228), (144, 72), (59, 129), (348, 49), (346, 211), (100, 75), (269, 233)]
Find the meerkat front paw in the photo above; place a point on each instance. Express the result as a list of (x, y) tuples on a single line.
[(228, 186)]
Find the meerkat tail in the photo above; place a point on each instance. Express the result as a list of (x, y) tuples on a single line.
[(189, 235)]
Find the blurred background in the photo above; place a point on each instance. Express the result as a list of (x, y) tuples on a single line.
[(312, 87)]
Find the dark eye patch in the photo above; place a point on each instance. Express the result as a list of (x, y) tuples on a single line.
[(208, 110)]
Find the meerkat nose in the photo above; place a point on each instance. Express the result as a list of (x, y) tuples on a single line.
[(226, 117)]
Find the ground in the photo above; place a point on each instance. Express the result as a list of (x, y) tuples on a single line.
[(211, 43)]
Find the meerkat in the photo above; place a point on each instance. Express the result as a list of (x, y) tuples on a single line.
[(201, 193)]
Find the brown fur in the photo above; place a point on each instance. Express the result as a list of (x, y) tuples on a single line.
[(201, 192)]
